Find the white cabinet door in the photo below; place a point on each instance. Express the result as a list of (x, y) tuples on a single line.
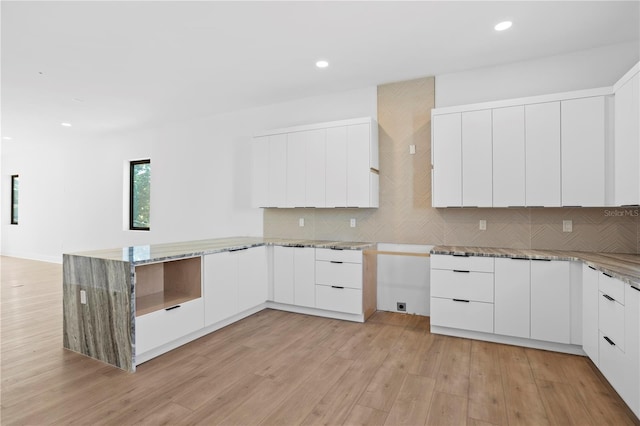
[(542, 148), (278, 170), (583, 152), (358, 165), (477, 174), (315, 168), (260, 172), (590, 337), (508, 157), (627, 147), (304, 259), (551, 301), (447, 164), (336, 167), (512, 297), (283, 274), (252, 277), (220, 286), (631, 393), (296, 169)]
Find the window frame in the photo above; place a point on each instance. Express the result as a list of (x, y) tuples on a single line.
[(13, 180), (132, 165)]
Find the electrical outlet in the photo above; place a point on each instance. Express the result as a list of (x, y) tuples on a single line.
[(412, 149), (352, 222), (401, 307), (567, 226), (483, 225), (301, 222), (83, 297)]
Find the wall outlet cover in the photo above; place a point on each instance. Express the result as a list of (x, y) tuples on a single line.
[(301, 222), (401, 306), (567, 226), (483, 225), (352, 223)]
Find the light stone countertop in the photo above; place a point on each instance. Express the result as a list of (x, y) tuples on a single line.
[(139, 255), (625, 267)]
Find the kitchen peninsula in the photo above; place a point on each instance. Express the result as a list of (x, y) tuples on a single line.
[(126, 306)]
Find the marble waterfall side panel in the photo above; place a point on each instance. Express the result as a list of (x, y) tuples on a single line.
[(102, 328)]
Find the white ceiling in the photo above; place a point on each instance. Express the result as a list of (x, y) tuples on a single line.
[(117, 66)]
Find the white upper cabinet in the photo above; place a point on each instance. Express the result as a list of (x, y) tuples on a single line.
[(315, 168), (477, 159), (360, 160), (542, 153), (296, 158), (260, 172), (583, 152), (446, 157), (627, 139), (336, 167), (321, 165), (508, 157), (277, 170)]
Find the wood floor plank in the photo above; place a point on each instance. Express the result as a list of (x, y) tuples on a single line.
[(485, 358), (365, 416), (447, 409), (514, 365), (411, 407), (486, 398), (563, 404), (383, 389), (524, 403)]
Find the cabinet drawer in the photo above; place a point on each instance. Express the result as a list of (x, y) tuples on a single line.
[(612, 287), (612, 363), (474, 316), (463, 263), (339, 274), (351, 256), (161, 327), (339, 299), (476, 286), (611, 320)]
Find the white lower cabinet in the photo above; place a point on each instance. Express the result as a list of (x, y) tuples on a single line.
[(611, 332), (293, 275), (234, 281), (551, 301), (339, 280), (163, 326), (590, 336), (339, 299), (512, 297), (463, 314)]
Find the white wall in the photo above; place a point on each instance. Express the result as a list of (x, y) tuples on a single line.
[(71, 191), (585, 69)]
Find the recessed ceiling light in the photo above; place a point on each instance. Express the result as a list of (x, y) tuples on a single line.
[(322, 64), (504, 25), (7, 138), (65, 124)]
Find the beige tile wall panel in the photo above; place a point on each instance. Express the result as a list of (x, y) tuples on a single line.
[(405, 215)]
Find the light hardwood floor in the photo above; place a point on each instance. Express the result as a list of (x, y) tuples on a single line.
[(286, 369)]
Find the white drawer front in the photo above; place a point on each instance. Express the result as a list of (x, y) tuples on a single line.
[(464, 263), (474, 316), (476, 286), (612, 363), (611, 320), (351, 256), (612, 287), (339, 299), (160, 327), (339, 274)]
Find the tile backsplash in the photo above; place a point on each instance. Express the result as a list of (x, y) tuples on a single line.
[(405, 215)]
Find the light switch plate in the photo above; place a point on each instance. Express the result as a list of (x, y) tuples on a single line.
[(567, 226), (301, 222), (352, 222), (483, 225), (412, 149)]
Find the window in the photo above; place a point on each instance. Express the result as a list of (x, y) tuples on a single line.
[(139, 195), (14, 199)]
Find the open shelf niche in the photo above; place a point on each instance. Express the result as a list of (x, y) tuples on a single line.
[(166, 284)]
